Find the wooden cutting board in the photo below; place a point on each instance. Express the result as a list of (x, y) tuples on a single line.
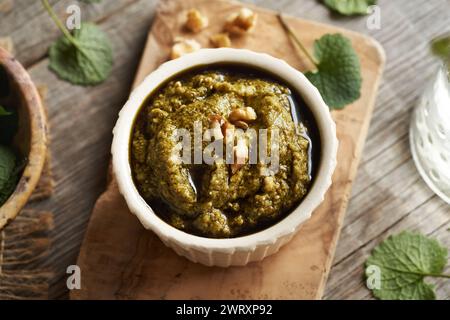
[(119, 259)]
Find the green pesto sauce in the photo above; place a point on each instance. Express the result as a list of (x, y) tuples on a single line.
[(210, 200)]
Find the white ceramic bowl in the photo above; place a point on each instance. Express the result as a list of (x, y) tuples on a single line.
[(233, 251)]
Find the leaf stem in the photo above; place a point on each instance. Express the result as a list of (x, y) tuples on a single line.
[(67, 34), (436, 275), (296, 39), (58, 22)]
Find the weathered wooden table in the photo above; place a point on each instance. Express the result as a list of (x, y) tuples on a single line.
[(388, 194)]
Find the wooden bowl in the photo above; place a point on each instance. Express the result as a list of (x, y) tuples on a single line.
[(31, 138)]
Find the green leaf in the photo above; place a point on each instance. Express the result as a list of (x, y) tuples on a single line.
[(85, 59), (9, 188), (338, 75), (90, 1), (8, 174), (7, 165), (350, 7), (404, 260), (4, 112)]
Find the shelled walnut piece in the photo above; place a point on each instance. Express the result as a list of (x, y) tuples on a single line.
[(225, 129), (240, 117), (216, 123), (228, 131), (183, 46), (220, 40), (240, 151), (242, 114), (241, 22), (195, 21)]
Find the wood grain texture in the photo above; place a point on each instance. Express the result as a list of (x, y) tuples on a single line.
[(388, 195), (32, 31), (143, 268), (81, 120)]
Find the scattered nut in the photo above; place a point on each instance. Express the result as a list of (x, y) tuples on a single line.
[(228, 131), (184, 46), (242, 114), (241, 22), (218, 118), (220, 40), (235, 167), (241, 124), (240, 155), (216, 122), (217, 131), (222, 129), (196, 21)]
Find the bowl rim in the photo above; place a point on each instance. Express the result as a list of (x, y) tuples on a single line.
[(286, 226), (38, 143)]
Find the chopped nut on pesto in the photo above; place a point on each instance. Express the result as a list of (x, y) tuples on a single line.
[(223, 199)]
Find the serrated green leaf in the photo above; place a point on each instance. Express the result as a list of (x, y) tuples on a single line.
[(8, 175), (87, 61), (350, 7), (338, 75), (404, 260)]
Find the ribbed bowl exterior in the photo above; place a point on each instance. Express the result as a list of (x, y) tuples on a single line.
[(223, 259)]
